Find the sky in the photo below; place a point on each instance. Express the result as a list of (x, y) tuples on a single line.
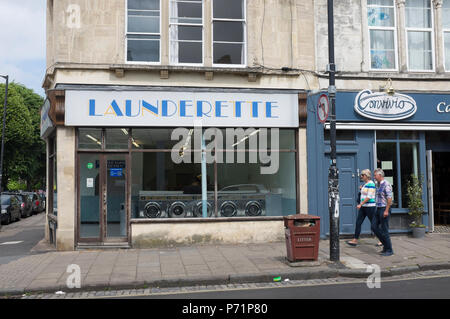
[(22, 42)]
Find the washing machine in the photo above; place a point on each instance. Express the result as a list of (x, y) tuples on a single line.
[(242, 201), (152, 205), (197, 209)]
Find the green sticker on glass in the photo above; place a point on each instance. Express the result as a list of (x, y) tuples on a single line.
[(90, 165)]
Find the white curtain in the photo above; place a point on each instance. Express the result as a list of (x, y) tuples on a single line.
[(420, 51)]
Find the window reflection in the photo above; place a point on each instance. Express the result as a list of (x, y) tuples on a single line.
[(90, 138), (387, 161), (162, 189)]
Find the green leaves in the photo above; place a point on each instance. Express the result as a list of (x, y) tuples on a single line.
[(415, 203), (24, 151)]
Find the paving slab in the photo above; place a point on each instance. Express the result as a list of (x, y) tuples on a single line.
[(216, 265)]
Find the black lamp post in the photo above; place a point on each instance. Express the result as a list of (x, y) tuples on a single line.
[(333, 173), (3, 130)]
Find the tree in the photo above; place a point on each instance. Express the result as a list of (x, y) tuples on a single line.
[(24, 153), (37, 164)]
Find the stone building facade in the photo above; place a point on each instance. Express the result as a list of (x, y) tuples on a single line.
[(259, 49)]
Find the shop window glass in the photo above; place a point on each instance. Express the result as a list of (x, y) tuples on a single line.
[(387, 161), (160, 138), (161, 188), (89, 189), (252, 183), (116, 138), (409, 155), (381, 20), (255, 138), (90, 138), (186, 31), (386, 135), (408, 135), (143, 30), (244, 191), (229, 32), (408, 162)]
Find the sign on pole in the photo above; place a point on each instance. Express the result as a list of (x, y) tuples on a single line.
[(323, 108)]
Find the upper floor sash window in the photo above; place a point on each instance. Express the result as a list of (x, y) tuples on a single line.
[(143, 36), (229, 32), (419, 35), (382, 26), (186, 31)]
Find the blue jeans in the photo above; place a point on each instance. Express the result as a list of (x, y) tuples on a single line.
[(380, 227), (363, 212)]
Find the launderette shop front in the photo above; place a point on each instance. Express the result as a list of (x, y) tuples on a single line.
[(141, 177)]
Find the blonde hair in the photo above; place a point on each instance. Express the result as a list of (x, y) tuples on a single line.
[(366, 172)]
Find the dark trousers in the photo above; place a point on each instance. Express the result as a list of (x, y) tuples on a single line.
[(363, 212), (380, 227)]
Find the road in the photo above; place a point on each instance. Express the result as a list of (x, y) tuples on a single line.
[(431, 287), (19, 238)]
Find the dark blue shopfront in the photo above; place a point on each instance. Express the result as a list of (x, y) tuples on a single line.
[(403, 134)]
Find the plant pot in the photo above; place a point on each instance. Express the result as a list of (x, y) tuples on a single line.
[(418, 232)]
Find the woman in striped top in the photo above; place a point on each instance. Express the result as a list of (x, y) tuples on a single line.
[(367, 206)]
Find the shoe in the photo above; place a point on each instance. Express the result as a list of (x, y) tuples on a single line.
[(351, 244), (387, 253), (379, 245)]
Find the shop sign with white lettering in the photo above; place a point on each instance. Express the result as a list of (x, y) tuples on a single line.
[(384, 107)]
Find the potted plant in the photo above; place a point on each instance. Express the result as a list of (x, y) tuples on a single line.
[(415, 205)]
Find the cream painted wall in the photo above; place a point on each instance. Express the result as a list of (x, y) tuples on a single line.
[(157, 235), (88, 33), (65, 146)]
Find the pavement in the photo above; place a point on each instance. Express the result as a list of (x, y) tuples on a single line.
[(45, 270)]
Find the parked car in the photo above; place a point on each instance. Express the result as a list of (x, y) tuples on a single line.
[(37, 202), (10, 208), (55, 204), (26, 206), (44, 201)]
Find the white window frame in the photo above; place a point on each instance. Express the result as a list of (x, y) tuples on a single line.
[(393, 29), (202, 25), (431, 31), (142, 33), (444, 31), (244, 64)]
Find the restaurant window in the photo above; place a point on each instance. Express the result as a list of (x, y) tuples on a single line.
[(143, 34), (186, 31), (399, 158), (382, 25), (419, 34), (446, 31), (229, 32)]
